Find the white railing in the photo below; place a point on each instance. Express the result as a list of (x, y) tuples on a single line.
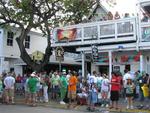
[(99, 32), (72, 55)]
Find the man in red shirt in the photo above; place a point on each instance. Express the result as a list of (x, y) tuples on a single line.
[(115, 88)]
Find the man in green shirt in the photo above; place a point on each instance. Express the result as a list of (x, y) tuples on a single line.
[(32, 82), (63, 87)]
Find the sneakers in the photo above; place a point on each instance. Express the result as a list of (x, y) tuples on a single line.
[(62, 102), (127, 107), (102, 105), (107, 105), (132, 107)]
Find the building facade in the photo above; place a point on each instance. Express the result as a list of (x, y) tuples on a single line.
[(10, 54), (122, 44), (9, 50)]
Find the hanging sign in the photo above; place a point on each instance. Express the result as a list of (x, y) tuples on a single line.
[(94, 53), (59, 53)]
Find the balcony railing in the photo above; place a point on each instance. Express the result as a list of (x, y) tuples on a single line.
[(121, 30)]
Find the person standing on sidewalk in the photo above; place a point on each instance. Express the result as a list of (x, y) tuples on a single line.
[(9, 82), (115, 88), (32, 83), (63, 87), (126, 75), (26, 88), (130, 93), (72, 87), (55, 85), (105, 91), (92, 92)]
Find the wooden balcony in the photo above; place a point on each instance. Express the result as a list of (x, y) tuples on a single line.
[(100, 32)]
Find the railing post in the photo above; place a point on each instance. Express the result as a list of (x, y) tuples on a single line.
[(82, 35), (98, 35), (116, 30)]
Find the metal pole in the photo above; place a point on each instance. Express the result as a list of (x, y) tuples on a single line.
[(59, 65), (83, 64)]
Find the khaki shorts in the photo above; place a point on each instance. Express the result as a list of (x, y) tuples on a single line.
[(72, 94), (27, 94), (9, 92), (32, 96)]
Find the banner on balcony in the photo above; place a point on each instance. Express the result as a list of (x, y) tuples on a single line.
[(69, 34)]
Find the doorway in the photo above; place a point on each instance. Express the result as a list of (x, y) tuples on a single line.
[(104, 69), (128, 67)]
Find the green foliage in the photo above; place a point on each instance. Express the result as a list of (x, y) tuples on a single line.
[(36, 13), (76, 10)]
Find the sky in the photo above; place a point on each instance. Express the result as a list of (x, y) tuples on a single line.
[(124, 6)]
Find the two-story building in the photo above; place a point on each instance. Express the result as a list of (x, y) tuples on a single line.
[(10, 54), (9, 50), (122, 44)]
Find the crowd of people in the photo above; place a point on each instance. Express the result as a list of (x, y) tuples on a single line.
[(70, 87)]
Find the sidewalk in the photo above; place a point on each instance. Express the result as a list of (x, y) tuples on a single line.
[(122, 104)]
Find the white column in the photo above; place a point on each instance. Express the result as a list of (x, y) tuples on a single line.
[(1, 65), (1, 50), (110, 63), (141, 63), (83, 64), (1, 42)]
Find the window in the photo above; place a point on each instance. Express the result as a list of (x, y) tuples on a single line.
[(27, 42), (10, 36)]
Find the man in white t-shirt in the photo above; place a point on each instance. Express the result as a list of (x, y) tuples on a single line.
[(92, 78), (9, 82), (68, 75), (125, 77)]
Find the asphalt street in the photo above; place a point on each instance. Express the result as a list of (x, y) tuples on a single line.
[(27, 109)]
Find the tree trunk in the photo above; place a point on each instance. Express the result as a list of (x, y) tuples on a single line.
[(27, 59)]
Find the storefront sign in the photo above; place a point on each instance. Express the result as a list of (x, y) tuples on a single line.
[(37, 55)]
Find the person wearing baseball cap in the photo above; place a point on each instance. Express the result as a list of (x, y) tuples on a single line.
[(32, 82)]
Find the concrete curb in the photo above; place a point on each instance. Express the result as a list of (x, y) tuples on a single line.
[(56, 105)]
